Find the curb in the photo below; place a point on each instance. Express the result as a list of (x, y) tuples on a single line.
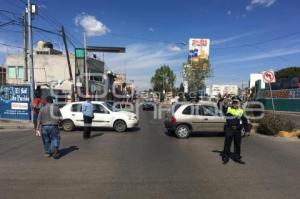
[(15, 127), (15, 124)]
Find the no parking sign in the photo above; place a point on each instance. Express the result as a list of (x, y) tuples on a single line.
[(269, 76)]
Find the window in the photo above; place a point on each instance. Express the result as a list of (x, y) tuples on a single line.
[(21, 72), (188, 110), (176, 107), (12, 72), (208, 111), (76, 108), (99, 108)]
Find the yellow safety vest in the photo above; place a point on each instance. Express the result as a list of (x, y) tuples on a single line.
[(235, 112)]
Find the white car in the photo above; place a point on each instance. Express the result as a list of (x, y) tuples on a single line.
[(104, 116)]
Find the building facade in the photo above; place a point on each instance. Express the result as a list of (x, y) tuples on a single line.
[(51, 70), (2, 75)]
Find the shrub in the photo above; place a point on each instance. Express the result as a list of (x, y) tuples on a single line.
[(271, 125)]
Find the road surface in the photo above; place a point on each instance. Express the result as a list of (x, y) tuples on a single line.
[(146, 163)]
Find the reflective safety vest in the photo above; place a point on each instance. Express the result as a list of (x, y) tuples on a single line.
[(235, 112)]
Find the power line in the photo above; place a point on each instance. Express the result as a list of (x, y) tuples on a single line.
[(25, 3), (56, 24), (7, 23), (11, 14), (38, 28), (73, 38), (8, 30), (9, 45), (15, 4)]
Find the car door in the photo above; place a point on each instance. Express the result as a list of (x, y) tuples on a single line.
[(209, 119), (102, 117), (199, 121), (188, 115), (76, 114)]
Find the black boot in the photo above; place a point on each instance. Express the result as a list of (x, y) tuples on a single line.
[(225, 159)]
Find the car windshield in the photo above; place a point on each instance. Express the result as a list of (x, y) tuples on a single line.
[(110, 107)]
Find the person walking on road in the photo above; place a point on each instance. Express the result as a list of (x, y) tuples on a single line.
[(235, 121), (48, 120), (88, 115), (37, 104)]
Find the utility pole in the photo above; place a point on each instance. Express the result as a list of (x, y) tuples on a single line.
[(29, 10), (69, 63), (85, 66), (25, 46)]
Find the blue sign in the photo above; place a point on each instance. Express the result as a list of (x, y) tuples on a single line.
[(15, 102), (193, 53)]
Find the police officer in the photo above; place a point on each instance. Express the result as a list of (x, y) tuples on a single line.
[(235, 121)]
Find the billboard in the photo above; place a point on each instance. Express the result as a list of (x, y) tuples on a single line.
[(15, 102), (198, 49), (216, 89), (280, 94)]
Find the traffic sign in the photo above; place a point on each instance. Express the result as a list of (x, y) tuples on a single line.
[(79, 53), (269, 76)]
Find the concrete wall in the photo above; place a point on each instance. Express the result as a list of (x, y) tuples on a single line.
[(47, 68)]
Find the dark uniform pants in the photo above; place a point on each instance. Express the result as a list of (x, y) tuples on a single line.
[(87, 126), (235, 135)]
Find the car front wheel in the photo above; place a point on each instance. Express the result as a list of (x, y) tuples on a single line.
[(68, 125), (182, 131), (120, 126)]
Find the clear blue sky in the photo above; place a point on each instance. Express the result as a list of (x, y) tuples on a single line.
[(150, 30)]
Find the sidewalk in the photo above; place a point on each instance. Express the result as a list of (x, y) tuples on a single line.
[(15, 124)]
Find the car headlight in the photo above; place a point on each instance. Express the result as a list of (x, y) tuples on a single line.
[(132, 117)]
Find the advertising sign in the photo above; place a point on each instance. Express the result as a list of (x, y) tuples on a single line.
[(198, 49), (280, 94), (19, 106), (15, 102), (223, 89)]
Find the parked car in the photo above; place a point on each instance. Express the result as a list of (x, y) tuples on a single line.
[(148, 105), (123, 106), (104, 116), (200, 117)]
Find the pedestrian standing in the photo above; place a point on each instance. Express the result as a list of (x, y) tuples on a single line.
[(235, 121), (88, 115), (37, 104), (48, 120)]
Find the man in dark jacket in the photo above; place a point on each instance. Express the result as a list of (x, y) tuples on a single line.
[(235, 122)]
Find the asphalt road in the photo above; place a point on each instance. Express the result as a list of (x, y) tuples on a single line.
[(146, 163)]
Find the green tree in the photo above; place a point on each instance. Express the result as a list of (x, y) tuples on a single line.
[(288, 72), (163, 79), (196, 73), (181, 88)]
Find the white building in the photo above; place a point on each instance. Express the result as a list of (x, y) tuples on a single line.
[(255, 77), (51, 69), (216, 89)]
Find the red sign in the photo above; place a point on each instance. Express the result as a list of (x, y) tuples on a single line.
[(269, 76), (200, 42)]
